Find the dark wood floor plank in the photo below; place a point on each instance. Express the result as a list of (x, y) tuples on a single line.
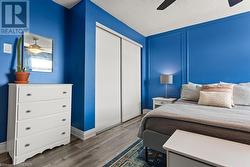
[(94, 152)]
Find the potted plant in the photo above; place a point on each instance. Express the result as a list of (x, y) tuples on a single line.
[(22, 77)]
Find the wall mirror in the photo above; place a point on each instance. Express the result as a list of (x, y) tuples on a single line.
[(38, 53)]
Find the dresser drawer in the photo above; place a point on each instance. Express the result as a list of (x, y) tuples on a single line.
[(33, 126), (39, 93), (27, 144), (44, 108)]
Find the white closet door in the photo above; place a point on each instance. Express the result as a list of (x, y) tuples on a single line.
[(107, 80), (131, 80)]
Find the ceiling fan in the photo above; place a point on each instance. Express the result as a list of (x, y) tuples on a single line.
[(167, 3)]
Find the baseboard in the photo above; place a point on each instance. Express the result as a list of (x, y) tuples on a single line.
[(145, 111), (3, 147), (83, 135)]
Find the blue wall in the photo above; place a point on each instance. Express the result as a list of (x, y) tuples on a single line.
[(75, 53), (165, 57), (204, 53), (220, 51), (210, 52), (46, 19), (84, 58)]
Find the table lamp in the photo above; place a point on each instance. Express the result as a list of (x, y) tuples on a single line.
[(166, 79)]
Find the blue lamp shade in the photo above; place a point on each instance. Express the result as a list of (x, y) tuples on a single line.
[(166, 79)]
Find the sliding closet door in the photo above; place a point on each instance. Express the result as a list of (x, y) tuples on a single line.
[(131, 80), (107, 80)]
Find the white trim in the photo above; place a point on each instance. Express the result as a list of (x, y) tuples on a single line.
[(3, 147), (117, 34), (83, 135)]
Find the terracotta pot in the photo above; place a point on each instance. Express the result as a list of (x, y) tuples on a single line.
[(22, 77)]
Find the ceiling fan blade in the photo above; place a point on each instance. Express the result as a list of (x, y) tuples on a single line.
[(234, 2), (165, 4)]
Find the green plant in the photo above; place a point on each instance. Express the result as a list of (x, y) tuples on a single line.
[(19, 55)]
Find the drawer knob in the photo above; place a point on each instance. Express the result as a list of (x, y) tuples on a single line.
[(29, 94), (28, 128), (63, 120), (64, 93), (27, 145), (28, 111), (64, 106), (63, 133)]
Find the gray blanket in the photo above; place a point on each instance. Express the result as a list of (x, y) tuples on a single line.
[(237, 118)]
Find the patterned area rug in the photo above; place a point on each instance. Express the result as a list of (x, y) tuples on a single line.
[(134, 156)]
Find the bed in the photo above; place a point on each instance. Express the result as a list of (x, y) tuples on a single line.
[(230, 124)]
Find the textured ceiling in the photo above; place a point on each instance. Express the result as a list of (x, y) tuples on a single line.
[(67, 3), (142, 15)]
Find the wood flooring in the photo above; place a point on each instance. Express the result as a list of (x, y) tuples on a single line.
[(94, 152)]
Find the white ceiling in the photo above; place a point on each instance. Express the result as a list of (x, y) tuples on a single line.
[(142, 15), (67, 3)]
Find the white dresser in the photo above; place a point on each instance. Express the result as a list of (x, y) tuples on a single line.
[(39, 118)]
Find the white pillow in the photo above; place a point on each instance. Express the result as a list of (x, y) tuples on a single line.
[(227, 83), (194, 84), (190, 92), (212, 84), (245, 84), (241, 95), (218, 99)]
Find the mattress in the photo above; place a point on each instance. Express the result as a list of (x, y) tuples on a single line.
[(230, 124)]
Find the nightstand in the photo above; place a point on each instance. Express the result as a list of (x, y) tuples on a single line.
[(159, 101)]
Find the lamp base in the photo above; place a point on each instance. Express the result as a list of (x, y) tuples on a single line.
[(166, 92)]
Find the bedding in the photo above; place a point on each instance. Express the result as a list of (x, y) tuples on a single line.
[(218, 88), (241, 95), (217, 95), (190, 91), (219, 99), (230, 124), (227, 83), (245, 84)]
